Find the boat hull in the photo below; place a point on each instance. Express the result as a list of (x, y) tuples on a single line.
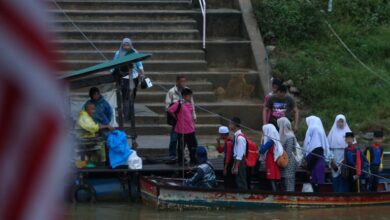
[(177, 197)]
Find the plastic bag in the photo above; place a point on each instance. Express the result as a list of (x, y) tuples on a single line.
[(134, 161), (307, 187), (298, 154)]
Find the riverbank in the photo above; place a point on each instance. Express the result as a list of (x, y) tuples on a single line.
[(330, 81)]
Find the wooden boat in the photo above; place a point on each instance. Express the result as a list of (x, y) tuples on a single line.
[(164, 193)]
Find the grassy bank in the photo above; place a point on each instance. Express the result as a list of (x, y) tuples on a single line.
[(329, 79)]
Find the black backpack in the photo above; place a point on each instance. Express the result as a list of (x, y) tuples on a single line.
[(170, 119)]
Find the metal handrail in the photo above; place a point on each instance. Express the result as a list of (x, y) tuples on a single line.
[(202, 4)]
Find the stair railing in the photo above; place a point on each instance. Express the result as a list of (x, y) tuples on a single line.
[(202, 4)]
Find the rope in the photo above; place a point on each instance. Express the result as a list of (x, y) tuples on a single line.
[(348, 49), (79, 30), (208, 111)]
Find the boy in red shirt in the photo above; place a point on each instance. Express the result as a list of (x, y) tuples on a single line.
[(185, 125), (227, 149)]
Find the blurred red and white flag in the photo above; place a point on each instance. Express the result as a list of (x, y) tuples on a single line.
[(33, 137)]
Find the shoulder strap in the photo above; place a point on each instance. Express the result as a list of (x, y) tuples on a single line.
[(178, 108)]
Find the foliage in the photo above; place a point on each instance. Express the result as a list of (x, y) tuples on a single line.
[(330, 80)]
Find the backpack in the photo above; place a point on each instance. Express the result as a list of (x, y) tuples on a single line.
[(170, 119), (252, 152)]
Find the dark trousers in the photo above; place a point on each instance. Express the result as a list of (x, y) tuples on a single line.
[(374, 181), (128, 98), (173, 143), (229, 179), (241, 177), (190, 141)]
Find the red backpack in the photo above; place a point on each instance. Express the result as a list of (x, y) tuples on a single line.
[(252, 152)]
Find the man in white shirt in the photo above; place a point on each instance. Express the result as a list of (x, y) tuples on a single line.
[(239, 152), (174, 95)]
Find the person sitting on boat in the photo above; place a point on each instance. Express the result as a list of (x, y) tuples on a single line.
[(353, 160), (316, 147), (227, 149), (89, 127), (204, 176), (337, 148), (374, 155), (273, 149), (289, 143), (103, 110)]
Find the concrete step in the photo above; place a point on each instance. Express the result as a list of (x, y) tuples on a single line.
[(194, 85), (156, 54), (217, 75), (164, 129), (161, 119), (121, 5), (125, 14), (113, 45), (134, 34), (127, 24), (149, 65), (153, 96), (220, 77)]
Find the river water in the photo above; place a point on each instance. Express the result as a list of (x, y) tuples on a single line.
[(125, 211)]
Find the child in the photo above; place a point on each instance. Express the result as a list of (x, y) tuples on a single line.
[(204, 176), (374, 155), (353, 159), (185, 126), (273, 149), (227, 149)]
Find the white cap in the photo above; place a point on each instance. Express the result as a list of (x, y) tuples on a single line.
[(223, 130)]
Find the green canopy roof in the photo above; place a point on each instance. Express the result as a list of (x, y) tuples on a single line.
[(131, 58)]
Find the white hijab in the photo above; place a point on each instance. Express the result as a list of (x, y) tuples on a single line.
[(270, 133), (285, 130), (336, 135), (315, 136)]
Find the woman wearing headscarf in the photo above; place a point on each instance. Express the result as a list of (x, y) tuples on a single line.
[(288, 141), (273, 149), (135, 72), (336, 138), (316, 147)]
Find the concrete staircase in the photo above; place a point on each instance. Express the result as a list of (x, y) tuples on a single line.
[(170, 30)]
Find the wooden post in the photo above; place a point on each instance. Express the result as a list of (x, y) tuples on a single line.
[(119, 103)]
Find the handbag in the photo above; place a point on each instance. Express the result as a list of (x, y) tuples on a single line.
[(282, 161), (146, 83)]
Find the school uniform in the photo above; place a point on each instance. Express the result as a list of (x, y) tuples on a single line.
[(374, 155), (353, 158), (227, 149), (239, 150)]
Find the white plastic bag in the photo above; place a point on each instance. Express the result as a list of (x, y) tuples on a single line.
[(298, 154), (134, 161), (307, 187)]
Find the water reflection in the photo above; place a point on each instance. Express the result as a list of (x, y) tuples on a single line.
[(126, 211)]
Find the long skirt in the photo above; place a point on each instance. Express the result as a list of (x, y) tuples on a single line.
[(316, 165)]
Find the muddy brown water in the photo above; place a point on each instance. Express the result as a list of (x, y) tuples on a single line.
[(125, 211)]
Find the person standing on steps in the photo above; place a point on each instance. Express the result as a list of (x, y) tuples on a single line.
[(281, 105), (275, 85), (172, 96), (182, 111), (129, 77), (239, 151)]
